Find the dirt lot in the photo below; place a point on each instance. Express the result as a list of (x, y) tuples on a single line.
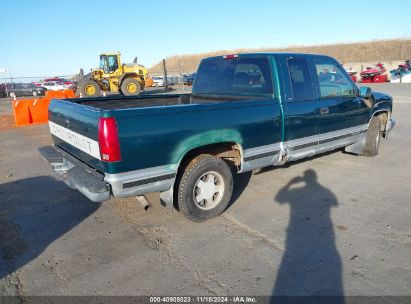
[(344, 230)]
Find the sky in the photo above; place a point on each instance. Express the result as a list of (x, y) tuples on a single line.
[(58, 37)]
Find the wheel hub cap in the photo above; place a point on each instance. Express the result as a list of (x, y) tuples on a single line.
[(132, 88), (208, 190), (90, 90)]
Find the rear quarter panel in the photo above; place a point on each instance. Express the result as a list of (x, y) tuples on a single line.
[(153, 137)]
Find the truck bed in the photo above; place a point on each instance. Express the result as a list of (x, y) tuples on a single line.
[(126, 102), (145, 101)]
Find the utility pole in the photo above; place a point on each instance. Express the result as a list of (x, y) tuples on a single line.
[(165, 75)]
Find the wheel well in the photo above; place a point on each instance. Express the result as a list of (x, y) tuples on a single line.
[(130, 75), (85, 80), (229, 151)]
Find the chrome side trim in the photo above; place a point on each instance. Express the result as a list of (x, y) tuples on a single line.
[(260, 157), (142, 181), (344, 131), (280, 153), (302, 143), (261, 151)]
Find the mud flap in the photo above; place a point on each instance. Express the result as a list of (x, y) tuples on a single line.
[(358, 147), (166, 199)]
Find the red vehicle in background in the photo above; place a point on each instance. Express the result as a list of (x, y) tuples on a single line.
[(351, 73), (55, 79), (374, 74), (58, 79)]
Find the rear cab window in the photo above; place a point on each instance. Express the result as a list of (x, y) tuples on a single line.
[(237, 76)]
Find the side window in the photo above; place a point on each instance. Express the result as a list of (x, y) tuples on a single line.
[(301, 81), (332, 80)]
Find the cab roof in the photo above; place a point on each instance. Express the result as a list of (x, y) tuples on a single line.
[(273, 54), (110, 53)]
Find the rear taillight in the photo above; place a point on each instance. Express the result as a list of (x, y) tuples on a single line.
[(108, 140)]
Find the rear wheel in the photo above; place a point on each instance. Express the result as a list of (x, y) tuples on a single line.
[(130, 86), (35, 93), (205, 188), (90, 88), (372, 142)]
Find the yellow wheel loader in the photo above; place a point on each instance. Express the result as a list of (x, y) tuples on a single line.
[(112, 76)]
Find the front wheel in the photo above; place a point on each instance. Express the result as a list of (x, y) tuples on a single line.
[(205, 188), (372, 142), (130, 86), (90, 88), (35, 93)]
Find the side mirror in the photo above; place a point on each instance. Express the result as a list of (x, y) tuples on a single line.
[(365, 92)]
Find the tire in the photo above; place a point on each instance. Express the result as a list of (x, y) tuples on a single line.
[(130, 86), (373, 137), (89, 88), (35, 93), (12, 94), (204, 188)]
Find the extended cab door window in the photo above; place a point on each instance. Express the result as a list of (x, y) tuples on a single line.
[(301, 80), (301, 109)]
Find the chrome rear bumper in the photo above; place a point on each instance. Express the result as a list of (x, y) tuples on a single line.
[(76, 174)]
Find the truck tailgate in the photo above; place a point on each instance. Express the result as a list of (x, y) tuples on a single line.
[(74, 128)]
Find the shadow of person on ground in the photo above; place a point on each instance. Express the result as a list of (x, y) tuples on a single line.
[(34, 212), (311, 264)]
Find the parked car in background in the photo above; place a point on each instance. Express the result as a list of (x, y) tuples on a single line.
[(3, 92), (66, 82), (158, 81), (189, 79), (55, 85), (59, 79), (24, 89), (173, 80)]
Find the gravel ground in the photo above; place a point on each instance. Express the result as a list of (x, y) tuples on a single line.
[(335, 224)]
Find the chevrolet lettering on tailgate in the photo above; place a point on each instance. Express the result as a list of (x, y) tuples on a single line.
[(75, 139)]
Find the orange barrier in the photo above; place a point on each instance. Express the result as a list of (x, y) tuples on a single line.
[(61, 94), (21, 112), (38, 109), (69, 93), (149, 82), (55, 94), (35, 111)]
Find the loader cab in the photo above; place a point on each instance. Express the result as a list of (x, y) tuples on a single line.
[(109, 63)]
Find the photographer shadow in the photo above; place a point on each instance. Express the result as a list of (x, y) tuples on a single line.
[(311, 265)]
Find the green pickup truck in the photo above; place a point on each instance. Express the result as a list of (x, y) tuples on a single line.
[(245, 112)]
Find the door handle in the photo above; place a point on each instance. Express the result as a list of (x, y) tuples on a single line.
[(324, 110)]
